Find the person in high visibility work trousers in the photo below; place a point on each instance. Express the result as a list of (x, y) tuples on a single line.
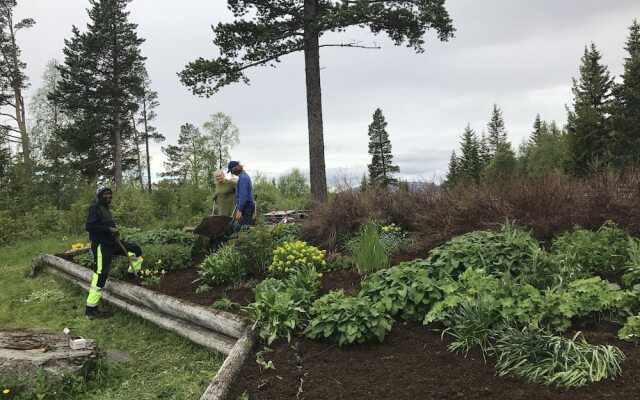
[(103, 233)]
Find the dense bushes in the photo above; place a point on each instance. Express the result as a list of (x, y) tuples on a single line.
[(548, 206)]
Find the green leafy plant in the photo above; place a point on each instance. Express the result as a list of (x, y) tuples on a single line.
[(393, 239), (291, 256), (472, 323), (632, 266), (539, 357), (276, 311), (369, 253), (511, 251), (604, 252), (223, 266), (255, 245), (289, 232), (280, 306), (151, 277), (172, 257), (159, 237), (631, 329), (407, 290), (346, 320), (224, 304), (586, 297)]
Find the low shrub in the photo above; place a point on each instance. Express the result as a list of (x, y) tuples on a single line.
[(170, 257), (512, 250), (604, 252), (542, 358), (225, 265), (159, 237), (631, 329), (346, 320), (280, 306), (255, 245), (407, 290), (632, 266)]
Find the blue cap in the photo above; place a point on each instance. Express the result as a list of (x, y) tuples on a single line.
[(231, 165)]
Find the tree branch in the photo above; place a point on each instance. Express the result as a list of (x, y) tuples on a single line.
[(353, 45), (9, 115)]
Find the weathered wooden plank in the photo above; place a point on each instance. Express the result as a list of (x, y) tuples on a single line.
[(219, 387), (195, 333), (218, 321)]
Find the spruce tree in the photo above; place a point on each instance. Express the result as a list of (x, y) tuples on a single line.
[(503, 165), (537, 129), (381, 169), (496, 131), (588, 123), (626, 111), (469, 164), (453, 172), (265, 31), (100, 85)]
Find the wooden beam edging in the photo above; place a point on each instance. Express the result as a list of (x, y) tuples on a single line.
[(197, 334), (219, 321), (228, 372)]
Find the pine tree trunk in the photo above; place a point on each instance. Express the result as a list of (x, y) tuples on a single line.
[(314, 104), (19, 102), (136, 138), (146, 142)]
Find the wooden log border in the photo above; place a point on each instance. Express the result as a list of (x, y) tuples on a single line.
[(217, 330)]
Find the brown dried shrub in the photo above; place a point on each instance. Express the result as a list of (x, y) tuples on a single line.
[(547, 206)]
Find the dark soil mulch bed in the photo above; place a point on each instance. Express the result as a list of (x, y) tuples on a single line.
[(412, 363)]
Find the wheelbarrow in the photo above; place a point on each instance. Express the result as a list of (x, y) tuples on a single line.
[(215, 227)]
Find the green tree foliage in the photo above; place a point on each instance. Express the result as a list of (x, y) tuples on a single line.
[(454, 169), (496, 131), (265, 31), (626, 111), (100, 87), (193, 158), (537, 129), (293, 185), (13, 81), (381, 169), (503, 165), (588, 122), (148, 102), (469, 164), (548, 151), (224, 134)]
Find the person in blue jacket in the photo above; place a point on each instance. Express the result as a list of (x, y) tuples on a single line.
[(245, 205)]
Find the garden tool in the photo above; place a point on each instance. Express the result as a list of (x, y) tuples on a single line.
[(132, 267)]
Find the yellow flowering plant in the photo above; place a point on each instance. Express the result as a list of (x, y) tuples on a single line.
[(152, 276), (78, 246), (291, 256)]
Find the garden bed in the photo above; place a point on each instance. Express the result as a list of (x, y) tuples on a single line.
[(413, 362)]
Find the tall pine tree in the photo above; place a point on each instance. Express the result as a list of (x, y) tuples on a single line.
[(453, 172), (588, 123), (469, 163), (496, 131), (265, 31), (13, 81), (100, 86), (626, 111), (381, 169)]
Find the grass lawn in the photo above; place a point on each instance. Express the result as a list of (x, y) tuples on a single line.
[(161, 365)]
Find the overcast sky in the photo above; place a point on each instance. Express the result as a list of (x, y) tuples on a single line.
[(518, 54)]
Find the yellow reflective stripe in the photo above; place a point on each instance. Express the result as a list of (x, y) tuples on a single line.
[(94, 279), (99, 259), (94, 298)]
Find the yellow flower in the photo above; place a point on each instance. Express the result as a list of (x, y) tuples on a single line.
[(319, 274), (6, 391)]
